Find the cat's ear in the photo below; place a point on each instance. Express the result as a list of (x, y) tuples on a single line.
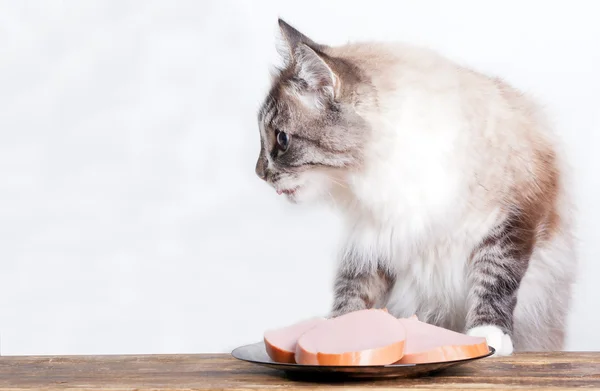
[(292, 38), (306, 57), (315, 72)]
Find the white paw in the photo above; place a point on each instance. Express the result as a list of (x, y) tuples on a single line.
[(495, 338)]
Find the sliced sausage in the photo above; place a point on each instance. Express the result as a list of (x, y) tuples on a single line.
[(426, 343), (281, 343), (365, 337)]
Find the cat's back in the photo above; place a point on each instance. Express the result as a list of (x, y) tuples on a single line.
[(396, 67), (420, 90), (391, 65)]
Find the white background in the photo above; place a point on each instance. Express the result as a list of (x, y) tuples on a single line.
[(131, 220)]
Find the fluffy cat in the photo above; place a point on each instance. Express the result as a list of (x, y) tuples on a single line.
[(450, 183)]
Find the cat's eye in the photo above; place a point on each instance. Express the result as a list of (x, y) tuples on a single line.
[(283, 141)]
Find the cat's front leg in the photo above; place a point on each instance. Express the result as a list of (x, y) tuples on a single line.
[(497, 267), (356, 289)]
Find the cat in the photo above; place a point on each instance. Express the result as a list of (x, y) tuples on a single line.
[(451, 185)]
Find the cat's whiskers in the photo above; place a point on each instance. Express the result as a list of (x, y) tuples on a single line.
[(337, 182)]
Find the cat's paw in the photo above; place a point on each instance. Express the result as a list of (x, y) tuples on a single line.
[(495, 338)]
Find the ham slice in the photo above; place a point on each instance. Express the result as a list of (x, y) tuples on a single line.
[(426, 343), (366, 337), (281, 343)]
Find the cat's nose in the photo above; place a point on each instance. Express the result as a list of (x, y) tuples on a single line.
[(261, 168)]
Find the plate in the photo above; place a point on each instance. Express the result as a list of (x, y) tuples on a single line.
[(257, 354)]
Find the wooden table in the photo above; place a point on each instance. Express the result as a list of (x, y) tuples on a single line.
[(221, 372)]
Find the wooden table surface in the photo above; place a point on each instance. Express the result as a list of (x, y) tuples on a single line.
[(221, 372)]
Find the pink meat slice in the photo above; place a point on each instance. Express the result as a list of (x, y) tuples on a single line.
[(366, 337), (429, 343), (281, 343)]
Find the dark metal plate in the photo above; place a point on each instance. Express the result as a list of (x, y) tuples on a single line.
[(257, 354)]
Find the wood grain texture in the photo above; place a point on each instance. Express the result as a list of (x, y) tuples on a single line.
[(221, 372)]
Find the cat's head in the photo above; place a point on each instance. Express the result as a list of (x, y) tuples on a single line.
[(311, 133)]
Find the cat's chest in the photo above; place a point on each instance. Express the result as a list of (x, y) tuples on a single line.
[(431, 276), (433, 285), (425, 233), (431, 271)]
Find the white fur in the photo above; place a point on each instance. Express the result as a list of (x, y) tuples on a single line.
[(495, 338)]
